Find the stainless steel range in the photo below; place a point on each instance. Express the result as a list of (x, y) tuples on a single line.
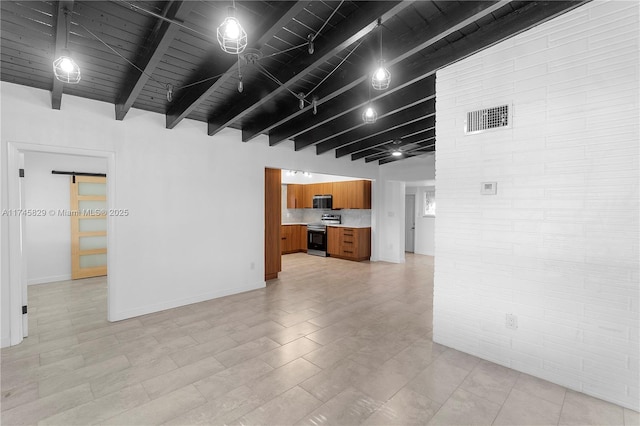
[(317, 234)]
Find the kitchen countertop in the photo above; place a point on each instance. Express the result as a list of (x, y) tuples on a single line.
[(335, 226)]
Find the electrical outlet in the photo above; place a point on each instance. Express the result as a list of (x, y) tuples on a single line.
[(511, 321)]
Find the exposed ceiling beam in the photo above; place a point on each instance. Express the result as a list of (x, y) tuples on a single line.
[(384, 152), (408, 97), (428, 135), (415, 153), (334, 42), (513, 23), (197, 94), (158, 43), (404, 130), (61, 37), (284, 126), (385, 125)]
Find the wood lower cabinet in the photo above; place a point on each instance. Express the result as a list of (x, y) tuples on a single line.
[(349, 243), (293, 238)]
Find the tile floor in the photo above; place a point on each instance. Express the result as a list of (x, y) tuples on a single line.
[(330, 342)]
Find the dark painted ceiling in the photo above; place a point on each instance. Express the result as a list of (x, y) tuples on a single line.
[(131, 52)]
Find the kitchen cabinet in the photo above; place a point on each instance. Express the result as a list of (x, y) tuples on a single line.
[(349, 243), (333, 241), (311, 189), (352, 194), (272, 219), (293, 238), (295, 196)]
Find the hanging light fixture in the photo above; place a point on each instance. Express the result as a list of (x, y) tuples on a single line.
[(231, 36), (381, 78), (369, 115), (397, 153), (65, 68)]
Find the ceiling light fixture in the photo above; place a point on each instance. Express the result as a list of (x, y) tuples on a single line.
[(381, 78), (231, 36), (369, 116), (64, 68), (397, 153)]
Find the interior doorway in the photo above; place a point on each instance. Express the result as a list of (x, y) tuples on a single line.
[(18, 228), (409, 223)]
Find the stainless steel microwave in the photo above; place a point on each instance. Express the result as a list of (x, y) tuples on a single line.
[(322, 201)]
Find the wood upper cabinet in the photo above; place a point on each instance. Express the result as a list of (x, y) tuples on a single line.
[(352, 194), (349, 243), (295, 195)]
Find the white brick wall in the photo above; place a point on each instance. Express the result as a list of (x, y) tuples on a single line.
[(558, 245)]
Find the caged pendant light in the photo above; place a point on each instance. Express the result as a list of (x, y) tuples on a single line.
[(231, 36), (65, 68), (381, 78)]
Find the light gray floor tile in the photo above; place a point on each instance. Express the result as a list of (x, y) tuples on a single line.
[(34, 411), (161, 409), (246, 351), (286, 353), (283, 378), (177, 378), (540, 388), (333, 380), (349, 407), (524, 409), (581, 409), (405, 408), (438, 381), (100, 409), (465, 408), (227, 380), (631, 418), (285, 409), (491, 381)]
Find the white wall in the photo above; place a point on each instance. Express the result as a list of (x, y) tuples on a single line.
[(48, 238), (178, 245), (558, 245)]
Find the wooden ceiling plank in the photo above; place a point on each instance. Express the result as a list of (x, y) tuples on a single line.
[(197, 94), (343, 37), (159, 41), (406, 98), (284, 127), (61, 37)]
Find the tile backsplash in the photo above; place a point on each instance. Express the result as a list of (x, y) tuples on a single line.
[(351, 217)]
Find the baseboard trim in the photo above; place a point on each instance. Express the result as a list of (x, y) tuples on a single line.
[(150, 309), (51, 279)]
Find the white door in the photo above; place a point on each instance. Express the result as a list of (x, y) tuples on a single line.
[(409, 222)]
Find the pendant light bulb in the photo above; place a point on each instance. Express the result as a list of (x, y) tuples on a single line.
[(232, 28), (301, 97), (397, 153), (369, 116), (315, 106), (381, 78), (231, 36), (66, 64), (240, 85)]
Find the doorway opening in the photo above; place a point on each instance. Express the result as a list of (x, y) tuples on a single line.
[(19, 229)]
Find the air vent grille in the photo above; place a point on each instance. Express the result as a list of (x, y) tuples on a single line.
[(488, 118)]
